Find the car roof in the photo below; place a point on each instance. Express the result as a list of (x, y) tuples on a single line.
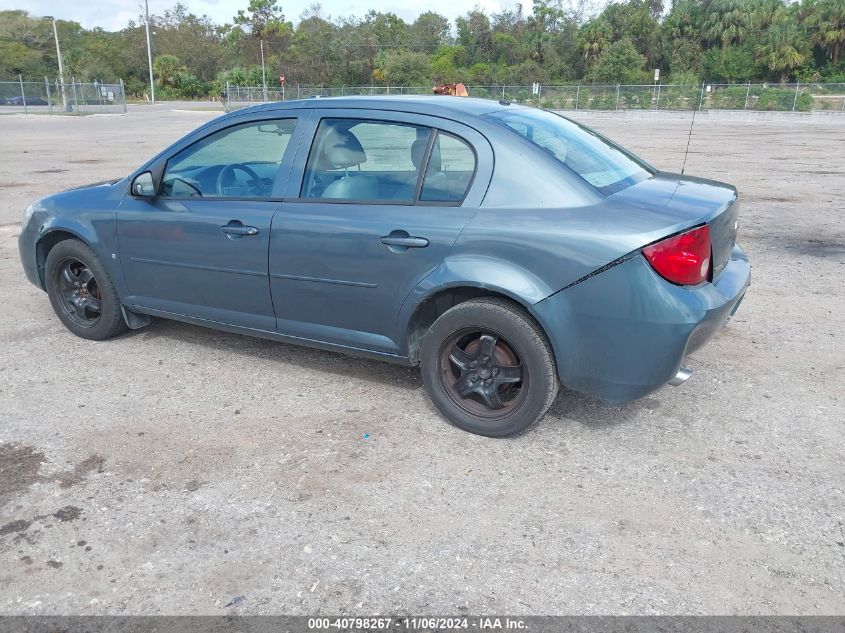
[(418, 104)]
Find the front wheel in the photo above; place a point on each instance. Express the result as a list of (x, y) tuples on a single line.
[(488, 368), (81, 292)]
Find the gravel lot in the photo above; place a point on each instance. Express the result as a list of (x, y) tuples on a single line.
[(180, 470)]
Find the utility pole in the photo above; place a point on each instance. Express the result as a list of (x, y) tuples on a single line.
[(149, 51), (263, 73), (65, 104)]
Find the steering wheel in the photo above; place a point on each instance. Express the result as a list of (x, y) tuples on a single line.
[(228, 172)]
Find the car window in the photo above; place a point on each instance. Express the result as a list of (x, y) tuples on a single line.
[(601, 163), (241, 161), (354, 159), (450, 169)]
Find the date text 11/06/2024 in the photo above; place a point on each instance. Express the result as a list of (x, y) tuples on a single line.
[(416, 623)]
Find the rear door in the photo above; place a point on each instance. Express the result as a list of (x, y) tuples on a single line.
[(200, 247), (374, 206)]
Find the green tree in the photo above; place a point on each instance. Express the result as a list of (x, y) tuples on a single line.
[(429, 31), (620, 62), (595, 36), (782, 49), (446, 64), (165, 69), (404, 68), (728, 22), (827, 19)]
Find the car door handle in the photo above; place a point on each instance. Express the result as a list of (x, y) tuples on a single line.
[(236, 228), (401, 238)]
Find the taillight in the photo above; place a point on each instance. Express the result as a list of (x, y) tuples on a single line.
[(682, 259)]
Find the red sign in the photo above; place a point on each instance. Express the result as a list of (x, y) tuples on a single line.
[(281, 79)]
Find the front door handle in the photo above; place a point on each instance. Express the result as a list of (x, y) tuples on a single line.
[(236, 229), (401, 240)]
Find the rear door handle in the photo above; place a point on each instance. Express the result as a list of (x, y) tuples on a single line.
[(402, 239), (236, 229)]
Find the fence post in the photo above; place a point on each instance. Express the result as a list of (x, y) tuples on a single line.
[(23, 96), (49, 100), (657, 103), (747, 92), (701, 99), (73, 90), (226, 104), (577, 95), (123, 95), (795, 99), (617, 96)]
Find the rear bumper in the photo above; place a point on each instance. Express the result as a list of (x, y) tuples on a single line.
[(624, 333)]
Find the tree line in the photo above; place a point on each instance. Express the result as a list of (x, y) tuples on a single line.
[(727, 41)]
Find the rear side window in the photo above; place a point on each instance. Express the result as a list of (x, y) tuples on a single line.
[(385, 161), (451, 166), (601, 163), (353, 159), (241, 161)]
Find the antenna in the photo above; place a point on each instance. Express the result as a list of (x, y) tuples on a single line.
[(689, 138)]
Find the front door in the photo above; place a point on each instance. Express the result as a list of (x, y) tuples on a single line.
[(379, 206), (200, 247)]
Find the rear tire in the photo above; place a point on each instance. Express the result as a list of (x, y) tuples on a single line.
[(488, 368), (81, 291)]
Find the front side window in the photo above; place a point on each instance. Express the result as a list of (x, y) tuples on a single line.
[(239, 162), (604, 165), (353, 159)]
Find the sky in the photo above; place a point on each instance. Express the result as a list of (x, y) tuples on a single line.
[(114, 14)]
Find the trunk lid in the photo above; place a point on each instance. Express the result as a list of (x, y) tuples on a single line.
[(691, 199)]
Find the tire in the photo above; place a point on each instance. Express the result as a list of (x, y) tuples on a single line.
[(81, 291), (488, 368)]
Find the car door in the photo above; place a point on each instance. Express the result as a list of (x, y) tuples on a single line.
[(199, 247), (373, 207)]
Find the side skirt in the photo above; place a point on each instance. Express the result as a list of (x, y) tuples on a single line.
[(272, 336)]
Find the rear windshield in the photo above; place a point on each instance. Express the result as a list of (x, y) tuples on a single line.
[(601, 163)]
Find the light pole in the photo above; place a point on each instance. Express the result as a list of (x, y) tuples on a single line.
[(65, 104), (149, 51), (263, 74)]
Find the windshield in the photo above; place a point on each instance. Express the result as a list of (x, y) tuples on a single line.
[(604, 165)]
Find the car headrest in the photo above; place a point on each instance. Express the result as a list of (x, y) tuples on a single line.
[(418, 153), (341, 149)]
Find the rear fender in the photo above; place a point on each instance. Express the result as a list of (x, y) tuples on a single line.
[(485, 273)]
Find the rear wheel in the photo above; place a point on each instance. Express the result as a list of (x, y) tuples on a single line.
[(488, 368), (81, 292)]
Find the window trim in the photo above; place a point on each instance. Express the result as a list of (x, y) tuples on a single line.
[(433, 133), (297, 119)]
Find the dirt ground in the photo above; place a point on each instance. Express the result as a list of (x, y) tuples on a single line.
[(180, 470)]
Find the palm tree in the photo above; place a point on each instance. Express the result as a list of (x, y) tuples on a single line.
[(783, 48), (727, 22), (828, 18), (595, 36)]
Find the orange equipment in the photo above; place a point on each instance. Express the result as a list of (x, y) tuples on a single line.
[(453, 90)]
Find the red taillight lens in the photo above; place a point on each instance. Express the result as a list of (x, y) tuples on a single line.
[(682, 259)]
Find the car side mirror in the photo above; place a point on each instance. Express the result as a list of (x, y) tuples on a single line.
[(143, 185)]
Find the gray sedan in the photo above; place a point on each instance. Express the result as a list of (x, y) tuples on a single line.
[(503, 249)]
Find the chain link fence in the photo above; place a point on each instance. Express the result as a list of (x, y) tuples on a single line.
[(53, 97), (796, 97)]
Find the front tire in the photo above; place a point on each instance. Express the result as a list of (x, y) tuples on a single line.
[(488, 368), (81, 291)]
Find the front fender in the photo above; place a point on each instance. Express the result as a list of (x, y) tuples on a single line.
[(86, 214)]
